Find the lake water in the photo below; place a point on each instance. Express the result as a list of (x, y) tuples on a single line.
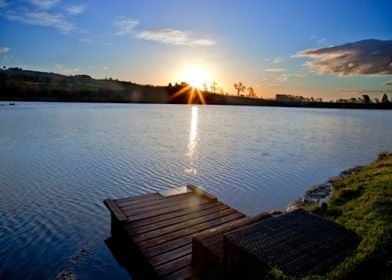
[(58, 162)]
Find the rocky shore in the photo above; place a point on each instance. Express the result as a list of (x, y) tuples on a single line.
[(319, 194)]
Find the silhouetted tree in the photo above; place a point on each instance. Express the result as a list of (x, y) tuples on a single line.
[(385, 98), (214, 87), (251, 92), (239, 87), (2, 82), (366, 99), (205, 87)]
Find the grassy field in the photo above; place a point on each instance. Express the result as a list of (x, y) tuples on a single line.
[(362, 203)]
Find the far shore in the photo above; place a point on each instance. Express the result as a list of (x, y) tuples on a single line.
[(17, 84)]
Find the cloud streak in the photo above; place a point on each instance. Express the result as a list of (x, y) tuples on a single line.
[(76, 9), (125, 25), (388, 83), (4, 49), (47, 13), (275, 70), (42, 18), (174, 37), (45, 4), (3, 3), (169, 36), (366, 57)]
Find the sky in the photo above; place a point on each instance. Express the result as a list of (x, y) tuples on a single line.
[(329, 49)]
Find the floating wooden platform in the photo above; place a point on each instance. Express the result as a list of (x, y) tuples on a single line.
[(160, 227)]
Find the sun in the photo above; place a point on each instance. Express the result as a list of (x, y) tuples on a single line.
[(196, 76)]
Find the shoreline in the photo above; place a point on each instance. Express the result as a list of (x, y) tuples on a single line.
[(360, 199)]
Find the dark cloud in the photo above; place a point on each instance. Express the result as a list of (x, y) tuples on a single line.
[(367, 57), (388, 83)]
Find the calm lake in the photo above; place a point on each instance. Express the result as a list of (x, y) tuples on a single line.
[(58, 162)]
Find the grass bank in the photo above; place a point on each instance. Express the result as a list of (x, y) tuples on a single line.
[(362, 203)]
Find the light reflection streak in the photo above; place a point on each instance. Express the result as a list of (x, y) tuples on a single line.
[(193, 140)]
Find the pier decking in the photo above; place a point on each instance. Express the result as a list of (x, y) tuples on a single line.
[(161, 227), (189, 234)]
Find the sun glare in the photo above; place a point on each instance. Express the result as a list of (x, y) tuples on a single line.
[(196, 76)]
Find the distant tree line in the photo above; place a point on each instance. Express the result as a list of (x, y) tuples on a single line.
[(295, 98), (365, 99), (18, 84)]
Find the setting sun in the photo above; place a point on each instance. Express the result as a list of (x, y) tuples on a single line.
[(195, 76)]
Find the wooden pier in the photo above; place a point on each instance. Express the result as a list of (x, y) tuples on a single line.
[(188, 234), (161, 227)]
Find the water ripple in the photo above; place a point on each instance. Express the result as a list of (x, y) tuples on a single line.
[(59, 161)]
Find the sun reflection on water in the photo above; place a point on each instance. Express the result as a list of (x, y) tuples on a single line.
[(193, 140)]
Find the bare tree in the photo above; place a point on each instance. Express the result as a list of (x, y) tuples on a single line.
[(251, 92), (205, 87), (214, 87), (239, 87)]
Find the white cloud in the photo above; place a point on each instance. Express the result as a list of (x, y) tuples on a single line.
[(42, 18), (282, 78), (275, 70), (60, 68), (174, 37), (274, 59), (125, 25), (300, 75), (366, 57), (4, 49), (76, 9), (278, 60), (45, 4)]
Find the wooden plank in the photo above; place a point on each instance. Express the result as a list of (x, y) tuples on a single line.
[(186, 200), (184, 273), (171, 255), (117, 213), (171, 221), (168, 246), (199, 191), (162, 211), (155, 206), (169, 216), (172, 266), (138, 199), (187, 231), (183, 225), (150, 202)]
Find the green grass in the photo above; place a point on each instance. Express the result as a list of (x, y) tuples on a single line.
[(362, 203)]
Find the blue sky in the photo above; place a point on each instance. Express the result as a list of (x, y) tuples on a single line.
[(275, 46)]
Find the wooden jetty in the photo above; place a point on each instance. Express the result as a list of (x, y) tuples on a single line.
[(161, 227), (188, 234)]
